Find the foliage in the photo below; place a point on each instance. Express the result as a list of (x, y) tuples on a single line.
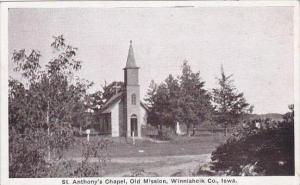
[(150, 101), (162, 102), (60, 139), (27, 154), (140, 172), (96, 100), (259, 147), (51, 95), (182, 99), (230, 105), (92, 103), (194, 101), (63, 168), (96, 149), (205, 170), (112, 89), (45, 101)]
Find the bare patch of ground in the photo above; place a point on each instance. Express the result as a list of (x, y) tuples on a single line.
[(164, 166), (182, 155)]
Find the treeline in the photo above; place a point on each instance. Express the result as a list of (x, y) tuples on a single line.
[(53, 96), (184, 99)]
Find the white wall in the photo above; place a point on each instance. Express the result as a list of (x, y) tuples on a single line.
[(115, 120), (115, 132)]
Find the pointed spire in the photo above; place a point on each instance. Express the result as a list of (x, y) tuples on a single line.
[(222, 68), (130, 58), (222, 71)]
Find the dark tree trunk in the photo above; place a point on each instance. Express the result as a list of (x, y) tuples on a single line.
[(160, 130), (193, 133), (188, 129), (174, 127)]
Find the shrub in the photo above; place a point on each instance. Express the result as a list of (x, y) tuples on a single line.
[(64, 168), (61, 139), (87, 167), (27, 154), (97, 148), (149, 130), (259, 147), (140, 172)]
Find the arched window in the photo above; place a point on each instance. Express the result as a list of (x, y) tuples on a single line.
[(133, 99), (133, 116)]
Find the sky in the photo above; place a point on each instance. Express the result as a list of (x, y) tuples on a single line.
[(255, 44)]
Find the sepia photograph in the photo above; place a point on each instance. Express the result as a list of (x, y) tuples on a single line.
[(175, 91)]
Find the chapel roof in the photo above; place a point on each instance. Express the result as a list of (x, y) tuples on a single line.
[(109, 103), (115, 99)]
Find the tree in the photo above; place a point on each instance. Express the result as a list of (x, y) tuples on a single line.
[(194, 101), (182, 99), (157, 100), (230, 105), (96, 100), (161, 107), (44, 103), (151, 92), (112, 89), (173, 86), (52, 95), (161, 101), (150, 101)]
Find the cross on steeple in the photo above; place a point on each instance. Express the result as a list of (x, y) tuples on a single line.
[(116, 87)]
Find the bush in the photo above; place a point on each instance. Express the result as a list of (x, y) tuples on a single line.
[(29, 151), (27, 154), (72, 168), (96, 149), (259, 147), (61, 139), (140, 172), (149, 130)]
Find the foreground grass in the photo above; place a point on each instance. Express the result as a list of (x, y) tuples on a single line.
[(180, 145)]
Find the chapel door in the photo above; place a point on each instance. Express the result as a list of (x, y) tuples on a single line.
[(133, 124)]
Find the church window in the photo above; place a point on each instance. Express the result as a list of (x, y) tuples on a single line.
[(133, 99)]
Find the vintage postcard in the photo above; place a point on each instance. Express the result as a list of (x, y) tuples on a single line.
[(150, 93)]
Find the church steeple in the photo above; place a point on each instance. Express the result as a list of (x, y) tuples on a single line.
[(132, 96), (131, 71), (130, 58)]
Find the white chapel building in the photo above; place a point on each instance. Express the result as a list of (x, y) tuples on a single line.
[(124, 114)]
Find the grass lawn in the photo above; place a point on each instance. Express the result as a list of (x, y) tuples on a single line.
[(163, 158), (180, 145)]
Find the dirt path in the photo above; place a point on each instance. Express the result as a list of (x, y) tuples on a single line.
[(162, 165), (150, 159), (186, 164)]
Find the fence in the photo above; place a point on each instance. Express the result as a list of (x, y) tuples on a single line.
[(149, 130)]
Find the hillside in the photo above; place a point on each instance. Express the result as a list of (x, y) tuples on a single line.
[(273, 116)]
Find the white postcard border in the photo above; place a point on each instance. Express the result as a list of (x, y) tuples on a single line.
[(112, 4)]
